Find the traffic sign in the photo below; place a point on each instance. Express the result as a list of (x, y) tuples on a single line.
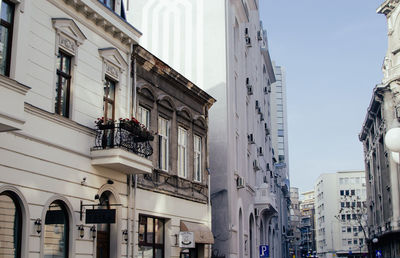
[(264, 251), (378, 253)]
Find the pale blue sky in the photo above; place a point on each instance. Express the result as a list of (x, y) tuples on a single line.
[(332, 52)]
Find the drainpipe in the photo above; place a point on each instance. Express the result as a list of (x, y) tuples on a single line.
[(134, 216), (130, 235)]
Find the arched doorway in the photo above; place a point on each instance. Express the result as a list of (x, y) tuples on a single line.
[(56, 231), (251, 235), (103, 230), (10, 224), (240, 233)]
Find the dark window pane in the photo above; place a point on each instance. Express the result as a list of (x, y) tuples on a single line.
[(7, 12), (4, 48)]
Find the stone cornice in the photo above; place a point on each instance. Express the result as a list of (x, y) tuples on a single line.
[(151, 62), (387, 7), (103, 18)]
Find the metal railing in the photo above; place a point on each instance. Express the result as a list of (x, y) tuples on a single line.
[(121, 135)]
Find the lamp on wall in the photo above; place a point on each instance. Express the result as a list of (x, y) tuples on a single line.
[(125, 235), (81, 230), (38, 225), (93, 231)]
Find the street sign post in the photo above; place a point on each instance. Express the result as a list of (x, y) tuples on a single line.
[(378, 253), (264, 251)]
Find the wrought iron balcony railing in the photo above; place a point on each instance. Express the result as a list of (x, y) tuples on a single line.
[(122, 135)]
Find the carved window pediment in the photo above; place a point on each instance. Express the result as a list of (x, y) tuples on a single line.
[(184, 112), (114, 63), (69, 36), (145, 92), (166, 102)]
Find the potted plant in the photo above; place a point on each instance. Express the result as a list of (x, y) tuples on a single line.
[(102, 123)]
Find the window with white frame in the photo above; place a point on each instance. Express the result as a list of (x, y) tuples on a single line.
[(144, 116), (182, 152), (163, 136), (197, 158)]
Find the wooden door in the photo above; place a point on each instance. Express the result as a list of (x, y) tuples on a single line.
[(103, 244)]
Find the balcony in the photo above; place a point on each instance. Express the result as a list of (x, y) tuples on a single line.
[(12, 98), (123, 148), (265, 199)]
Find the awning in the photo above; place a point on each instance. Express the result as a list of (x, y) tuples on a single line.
[(202, 234)]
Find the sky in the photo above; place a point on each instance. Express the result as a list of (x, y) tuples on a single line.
[(332, 52)]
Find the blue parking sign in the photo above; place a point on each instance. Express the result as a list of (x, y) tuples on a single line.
[(264, 251)]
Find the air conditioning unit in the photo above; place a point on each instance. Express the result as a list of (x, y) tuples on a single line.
[(257, 212), (248, 41), (250, 138), (255, 165), (260, 35), (240, 182), (260, 151), (249, 90)]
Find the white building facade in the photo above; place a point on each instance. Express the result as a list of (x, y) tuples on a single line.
[(340, 214), (222, 47), (69, 188)]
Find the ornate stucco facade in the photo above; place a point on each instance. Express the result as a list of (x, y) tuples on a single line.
[(75, 179), (381, 165)]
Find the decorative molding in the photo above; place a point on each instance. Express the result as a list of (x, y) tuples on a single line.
[(113, 62), (69, 36)]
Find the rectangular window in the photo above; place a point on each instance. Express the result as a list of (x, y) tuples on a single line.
[(342, 204), (151, 236), (109, 99), (182, 152), (63, 84), (197, 158), (347, 192), (353, 192), (343, 229), (6, 32), (144, 116), (348, 229), (109, 3), (163, 137), (341, 192)]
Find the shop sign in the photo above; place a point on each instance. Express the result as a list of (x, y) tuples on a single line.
[(100, 216), (264, 251), (186, 239)]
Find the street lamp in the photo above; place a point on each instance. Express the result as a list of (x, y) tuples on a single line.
[(392, 141)]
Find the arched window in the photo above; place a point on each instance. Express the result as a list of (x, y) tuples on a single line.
[(10, 225), (56, 231)]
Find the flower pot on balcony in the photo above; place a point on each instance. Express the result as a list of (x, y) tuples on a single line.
[(106, 126)]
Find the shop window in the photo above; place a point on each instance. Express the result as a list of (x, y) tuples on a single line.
[(10, 225), (151, 236), (56, 231), (63, 84), (6, 33)]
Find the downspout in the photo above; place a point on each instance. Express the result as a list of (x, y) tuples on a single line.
[(134, 216), (129, 185)]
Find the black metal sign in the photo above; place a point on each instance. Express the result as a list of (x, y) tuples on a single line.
[(100, 216)]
